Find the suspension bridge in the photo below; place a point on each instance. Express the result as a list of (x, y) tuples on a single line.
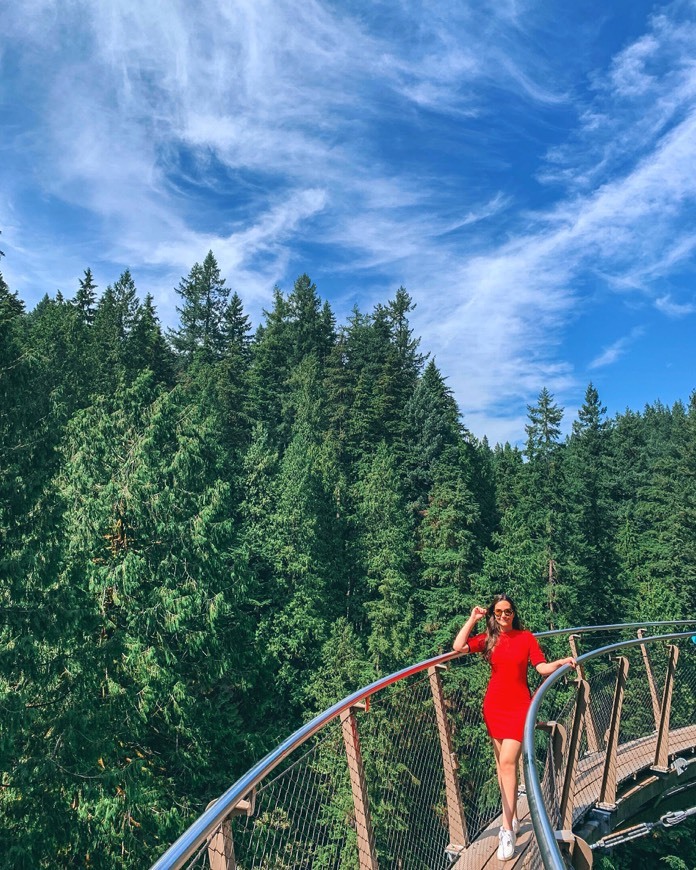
[(400, 774)]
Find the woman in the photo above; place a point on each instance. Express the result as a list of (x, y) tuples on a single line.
[(509, 650)]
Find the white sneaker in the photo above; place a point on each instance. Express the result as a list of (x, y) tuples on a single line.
[(515, 826), (506, 847)]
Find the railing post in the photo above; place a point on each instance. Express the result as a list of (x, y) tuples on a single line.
[(221, 844), (651, 679), (607, 793), (458, 834), (590, 730), (367, 858), (662, 747), (557, 739), (221, 848), (579, 853), (568, 793), (554, 759)]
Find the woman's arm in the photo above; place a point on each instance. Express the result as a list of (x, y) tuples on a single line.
[(460, 644), (546, 668)]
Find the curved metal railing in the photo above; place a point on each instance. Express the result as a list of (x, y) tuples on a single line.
[(399, 746), (593, 748)]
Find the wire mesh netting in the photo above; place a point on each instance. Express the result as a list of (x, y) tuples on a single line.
[(621, 683), (404, 768), (305, 815), (389, 786)]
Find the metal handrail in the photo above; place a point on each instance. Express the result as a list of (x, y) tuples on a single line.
[(585, 629), (184, 847), (544, 833)]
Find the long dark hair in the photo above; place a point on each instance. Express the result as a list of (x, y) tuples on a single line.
[(492, 628)]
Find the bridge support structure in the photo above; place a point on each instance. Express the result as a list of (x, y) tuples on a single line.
[(607, 793), (415, 778), (662, 749), (456, 822), (639, 764)]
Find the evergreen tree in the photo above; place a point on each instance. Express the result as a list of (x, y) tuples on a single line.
[(202, 313), (386, 548), (146, 347), (114, 332), (270, 368), (311, 324), (146, 691), (86, 298), (529, 559), (685, 514), (545, 489), (234, 376), (236, 329), (450, 544), (305, 582), (660, 512), (57, 341), (432, 421), (126, 305), (412, 360), (16, 424), (508, 470), (588, 490), (381, 382)]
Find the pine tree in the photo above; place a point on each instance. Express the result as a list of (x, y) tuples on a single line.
[(386, 550), (529, 558), (15, 423), (588, 490), (146, 347), (432, 421), (234, 376), (545, 488), (412, 360), (450, 548), (306, 580), (270, 367), (311, 324), (204, 297), (146, 696), (658, 512), (381, 381), (86, 297), (114, 331), (57, 341), (126, 304)]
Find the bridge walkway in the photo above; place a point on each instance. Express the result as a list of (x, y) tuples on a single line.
[(400, 774)]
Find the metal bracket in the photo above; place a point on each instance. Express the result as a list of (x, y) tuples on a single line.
[(679, 765)]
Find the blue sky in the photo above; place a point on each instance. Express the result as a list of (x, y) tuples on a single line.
[(526, 170)]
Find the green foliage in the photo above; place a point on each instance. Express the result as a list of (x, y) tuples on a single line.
[(86, 297), (674, 849), (206, 538), (387, 586), (202, 313)]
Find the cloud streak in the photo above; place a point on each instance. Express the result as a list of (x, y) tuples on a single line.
[(380, 147), (615, 351)]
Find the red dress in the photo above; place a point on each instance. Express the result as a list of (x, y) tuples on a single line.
[(507, 696)]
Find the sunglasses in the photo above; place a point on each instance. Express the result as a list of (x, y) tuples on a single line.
[(506, 612)]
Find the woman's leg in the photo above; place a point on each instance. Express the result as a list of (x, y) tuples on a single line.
[(496, 752), (507, 757)]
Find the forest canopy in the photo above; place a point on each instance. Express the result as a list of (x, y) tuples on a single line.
[(209, 534)]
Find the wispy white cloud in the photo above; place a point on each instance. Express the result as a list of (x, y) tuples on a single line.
[(292, 118), (674, 309), (615, 351)]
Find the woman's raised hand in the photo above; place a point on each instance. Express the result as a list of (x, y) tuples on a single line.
[(478, 613)]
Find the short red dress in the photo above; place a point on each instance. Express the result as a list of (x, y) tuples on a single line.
[(507, 696)]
